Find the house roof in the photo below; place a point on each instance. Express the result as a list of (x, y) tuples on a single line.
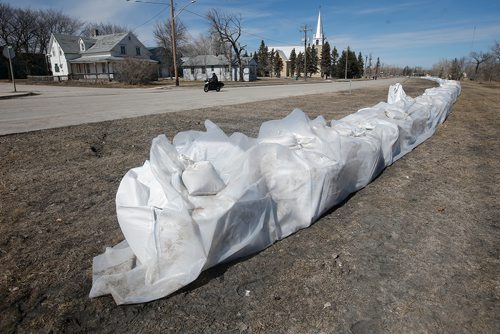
[(205, 60), (245, 60), (88, 42), (68, 43), (93, 59), (211, 60), (158, 53), (105, 43)]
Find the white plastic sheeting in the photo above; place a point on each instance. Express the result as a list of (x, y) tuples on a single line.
[(208, 198)]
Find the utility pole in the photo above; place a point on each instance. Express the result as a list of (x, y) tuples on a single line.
[(174, 47), (346, 57), (305, 30)]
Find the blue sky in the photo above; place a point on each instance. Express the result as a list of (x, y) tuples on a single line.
[(414, 33)]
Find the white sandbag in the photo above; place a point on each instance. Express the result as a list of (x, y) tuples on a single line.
[(259, 189), (200, 179)]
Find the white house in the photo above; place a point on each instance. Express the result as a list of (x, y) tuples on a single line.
[(94, 57), (203, 66)]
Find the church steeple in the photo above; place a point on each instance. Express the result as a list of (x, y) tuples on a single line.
[(318, 36)]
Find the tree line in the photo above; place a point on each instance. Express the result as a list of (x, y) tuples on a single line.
[(477, 66), (328, 64), (28, 32)]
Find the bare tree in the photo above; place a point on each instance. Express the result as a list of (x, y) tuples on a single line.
[(25, 30), (29, 31), (7, 25), (228, 27), (102, 28), (205, 44), (495, 51), (53, 21), (163, 36), (201, 45), (479, 58)]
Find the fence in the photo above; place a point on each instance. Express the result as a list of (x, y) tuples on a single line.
[(90, 77)]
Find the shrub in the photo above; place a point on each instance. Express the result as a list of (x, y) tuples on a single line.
[(135, 71)]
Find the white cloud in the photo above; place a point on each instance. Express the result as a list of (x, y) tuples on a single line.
[(390, 9), (425, 38), (113, 11)]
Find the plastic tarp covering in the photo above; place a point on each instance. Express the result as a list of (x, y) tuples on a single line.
[(207, 198)]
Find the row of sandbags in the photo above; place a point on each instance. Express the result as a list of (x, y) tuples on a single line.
[(207, 198)]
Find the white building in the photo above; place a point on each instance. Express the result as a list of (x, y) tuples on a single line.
[(284, 51), (203, 66), (94, 57)]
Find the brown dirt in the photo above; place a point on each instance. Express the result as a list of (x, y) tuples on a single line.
[(415, 251)]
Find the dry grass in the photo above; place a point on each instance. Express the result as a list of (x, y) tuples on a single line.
[(415, 251)]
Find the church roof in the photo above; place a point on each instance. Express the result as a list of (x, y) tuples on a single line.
[(287, 49), (319, 30)]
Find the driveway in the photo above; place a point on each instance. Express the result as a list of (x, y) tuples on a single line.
[(63, 106)]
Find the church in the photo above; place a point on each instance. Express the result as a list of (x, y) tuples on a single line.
[(284, 51)]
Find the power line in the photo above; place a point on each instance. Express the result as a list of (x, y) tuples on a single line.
[(243, 30), (151, 19), (150, 2), (205, 18)]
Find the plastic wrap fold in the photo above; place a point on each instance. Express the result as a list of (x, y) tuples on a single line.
[(207, 198)]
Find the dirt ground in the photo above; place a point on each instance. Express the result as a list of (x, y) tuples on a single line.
[(416, 251)]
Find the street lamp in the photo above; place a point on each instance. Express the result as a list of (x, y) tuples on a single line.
[(172, 28)]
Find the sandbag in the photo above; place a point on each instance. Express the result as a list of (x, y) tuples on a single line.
[(207, 198)]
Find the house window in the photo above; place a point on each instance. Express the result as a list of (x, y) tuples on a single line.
[(87, 68), (103, 67), (137, 51), (192, 70), (123, 50), (203, 70), (56, 67)]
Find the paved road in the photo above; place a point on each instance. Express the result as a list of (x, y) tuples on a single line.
[(63, 106)]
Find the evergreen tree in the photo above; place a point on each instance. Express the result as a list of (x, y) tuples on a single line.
[(272, 59), (299, 63), (353, 68), (369, 69), (262, 59), (341, 65), (326, 61), (307, 54), (254, 56), (406, 71), (335, 60), (456, 70), (377, 67), (293, 62), (278, 65), (361, 65), (312, 60)]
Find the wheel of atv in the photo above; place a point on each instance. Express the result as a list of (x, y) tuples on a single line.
[(217, 89), (205, 88)]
